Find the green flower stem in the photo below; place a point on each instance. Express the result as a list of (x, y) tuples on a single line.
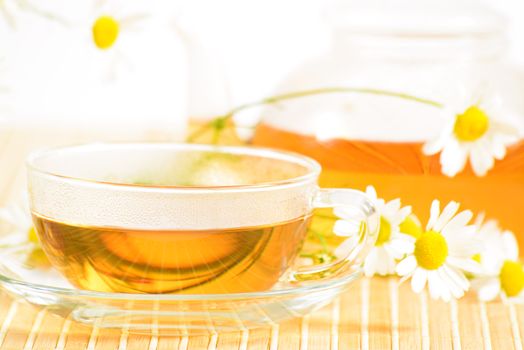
[(219, 122)]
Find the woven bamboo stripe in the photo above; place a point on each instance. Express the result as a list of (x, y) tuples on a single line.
[(419, 323)]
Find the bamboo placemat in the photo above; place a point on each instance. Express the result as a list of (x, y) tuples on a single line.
[(372, 314)]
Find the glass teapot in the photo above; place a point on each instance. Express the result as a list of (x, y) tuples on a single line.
[(440, 113)]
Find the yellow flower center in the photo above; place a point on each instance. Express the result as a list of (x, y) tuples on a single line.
[(411, 227), (477, 258), (512, 278), (32, 236), (471, 125), (105, 32), (384, 233), (431, 250)]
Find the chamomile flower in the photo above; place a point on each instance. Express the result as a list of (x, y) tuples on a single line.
[(113, 27), (473, 130), (17, 234), (493, 244), (391, 244), (503, 274), (442, 253)]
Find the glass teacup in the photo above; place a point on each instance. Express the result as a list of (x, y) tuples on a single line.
[(180, 218)]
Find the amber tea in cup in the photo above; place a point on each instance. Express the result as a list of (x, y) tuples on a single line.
[(169, 218), (150, 260)]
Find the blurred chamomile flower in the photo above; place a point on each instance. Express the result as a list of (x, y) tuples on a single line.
[(16, 226), (17, 234), (391, 245), (113, 28), (502, 272), (474, 129), (110, 18), (442, 253)]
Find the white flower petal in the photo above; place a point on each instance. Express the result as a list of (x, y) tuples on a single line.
[(480, 219), (380, 266), (386, 265), (244, 132), (490, 226), (506, 140), (346, 247), (481, 160), (405, 212), (434, 146), (415, 219), (370, 264), (491, 264), (418, 280), (392, 206), (7, 217), (457, 222), (489, 290), (346, 228), (400, 215), (447, 214), (453, 158), (435, 284), (453, 283), (464, 248), (15, 222), (506, 130), (434, 214), (399, 247), (347, 212), (21, 216), (496, 247), (457, 277), (14, 238), (462, 235), (445, 295), (445, 291), (510, 245), (371, 192), (497, 148), (392, 264), (468, 265), (407, 266)]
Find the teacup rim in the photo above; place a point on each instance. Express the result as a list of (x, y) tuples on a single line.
[(312, 166)]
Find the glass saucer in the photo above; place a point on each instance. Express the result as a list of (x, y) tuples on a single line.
[(43, 287)]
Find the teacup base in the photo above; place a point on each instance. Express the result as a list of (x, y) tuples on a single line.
[(167, 314)]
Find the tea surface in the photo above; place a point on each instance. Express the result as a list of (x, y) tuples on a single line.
[(172, 261)]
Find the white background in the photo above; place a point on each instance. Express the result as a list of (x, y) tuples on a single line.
[(259, 41), (251, 46)]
